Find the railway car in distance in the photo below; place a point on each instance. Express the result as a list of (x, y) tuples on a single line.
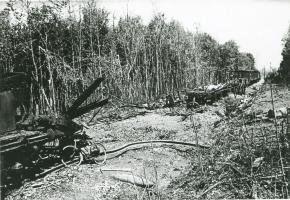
[(234, 81), (249, 77)]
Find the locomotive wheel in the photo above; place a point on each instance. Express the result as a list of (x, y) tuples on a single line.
[(98, 149), (70, 153)]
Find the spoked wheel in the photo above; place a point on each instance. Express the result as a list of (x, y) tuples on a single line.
[(43, 156), (98, 153), (69, 154)]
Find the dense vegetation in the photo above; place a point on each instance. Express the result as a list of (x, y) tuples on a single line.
[(63, 54), (284, 69), (282, 75)]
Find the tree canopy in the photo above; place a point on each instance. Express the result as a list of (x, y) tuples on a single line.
[(282, 75), (284, 70)]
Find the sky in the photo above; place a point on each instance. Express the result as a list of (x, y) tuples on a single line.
[(257, 26)]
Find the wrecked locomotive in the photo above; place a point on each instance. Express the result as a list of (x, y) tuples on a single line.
[(24, 140)]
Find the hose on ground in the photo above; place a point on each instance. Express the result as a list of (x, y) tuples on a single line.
[(156, 141)]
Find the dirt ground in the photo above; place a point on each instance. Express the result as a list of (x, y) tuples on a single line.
[(160, 164)]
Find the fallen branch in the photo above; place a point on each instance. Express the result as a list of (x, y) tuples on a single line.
[(209, 189), (115, 170), (133, 179)]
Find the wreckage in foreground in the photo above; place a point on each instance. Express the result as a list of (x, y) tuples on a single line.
[(23, 143)]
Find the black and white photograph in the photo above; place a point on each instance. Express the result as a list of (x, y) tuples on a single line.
[(144, 99)]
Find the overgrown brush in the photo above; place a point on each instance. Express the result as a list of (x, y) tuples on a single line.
[(231, 105), (237, 166)]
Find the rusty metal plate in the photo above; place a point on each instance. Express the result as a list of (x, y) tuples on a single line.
[(7, 111)]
